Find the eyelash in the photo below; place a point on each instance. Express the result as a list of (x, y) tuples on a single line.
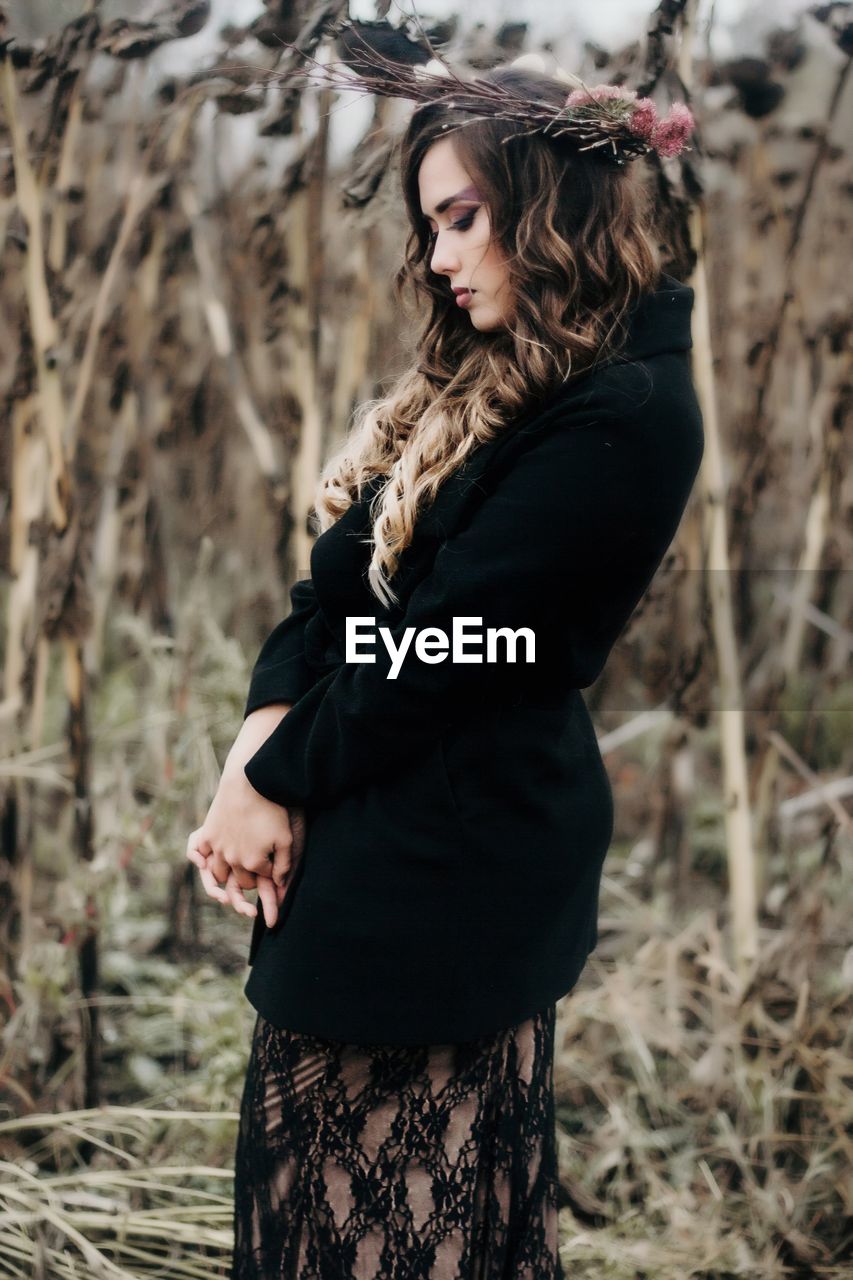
[(462, 225)]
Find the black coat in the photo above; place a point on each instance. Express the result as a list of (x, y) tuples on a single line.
[(458, 816)]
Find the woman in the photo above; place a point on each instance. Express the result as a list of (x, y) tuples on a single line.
[(426, 829)]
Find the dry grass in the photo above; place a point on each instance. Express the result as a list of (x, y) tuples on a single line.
[(699, 1135), (115, 1220), (703, 1135)]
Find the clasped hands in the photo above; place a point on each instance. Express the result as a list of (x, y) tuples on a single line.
[(247, 841)]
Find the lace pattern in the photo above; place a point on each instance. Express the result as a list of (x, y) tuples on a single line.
[(384, 1162)]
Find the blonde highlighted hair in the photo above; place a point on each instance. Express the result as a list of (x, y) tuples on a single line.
[(576, 237)]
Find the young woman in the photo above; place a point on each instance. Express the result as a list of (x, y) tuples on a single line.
[(426, 828)]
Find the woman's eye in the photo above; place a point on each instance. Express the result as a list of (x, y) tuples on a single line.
[(464, 222)]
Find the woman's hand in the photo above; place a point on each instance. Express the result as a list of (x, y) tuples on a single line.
[(247, 841)]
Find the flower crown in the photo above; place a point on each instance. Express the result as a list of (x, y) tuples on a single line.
[(609, 120), (638, 116)]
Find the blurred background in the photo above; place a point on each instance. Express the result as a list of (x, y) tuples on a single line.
[(196, 292)]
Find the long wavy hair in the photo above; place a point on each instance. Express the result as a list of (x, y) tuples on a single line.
[(576, 236)]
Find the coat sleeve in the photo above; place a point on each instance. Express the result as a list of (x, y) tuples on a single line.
[(565, 543), (280, 673)]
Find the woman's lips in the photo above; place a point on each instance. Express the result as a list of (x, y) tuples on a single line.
[(463, 299)]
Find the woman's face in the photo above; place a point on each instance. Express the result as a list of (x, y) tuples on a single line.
[(462, 246)]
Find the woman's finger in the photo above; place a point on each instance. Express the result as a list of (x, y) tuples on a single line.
[(219, 866), (198, 848), (245, 879), (200, 859), (288, 852), (268, 899), (235, 897), (282, 858), (197, 840), (211, 888)]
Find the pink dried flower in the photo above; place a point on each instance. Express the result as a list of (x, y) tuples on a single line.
[(644, 119), (599, 93), (670, 136)]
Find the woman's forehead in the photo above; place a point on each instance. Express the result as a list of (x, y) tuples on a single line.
[(442, 179)]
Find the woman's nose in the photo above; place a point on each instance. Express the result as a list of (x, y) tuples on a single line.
[(443, 261)]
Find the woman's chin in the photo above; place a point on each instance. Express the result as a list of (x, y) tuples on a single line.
[(484, 318)]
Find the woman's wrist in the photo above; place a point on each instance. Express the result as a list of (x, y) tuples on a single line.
[(255, 730)]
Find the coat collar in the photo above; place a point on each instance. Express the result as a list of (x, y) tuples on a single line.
[(658, 323)]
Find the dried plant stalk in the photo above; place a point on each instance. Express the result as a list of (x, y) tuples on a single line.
[(739, 844)]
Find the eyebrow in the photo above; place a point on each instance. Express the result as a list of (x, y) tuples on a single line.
[(469, 193)]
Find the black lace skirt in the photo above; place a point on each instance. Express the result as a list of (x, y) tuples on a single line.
[(384, 1162)]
